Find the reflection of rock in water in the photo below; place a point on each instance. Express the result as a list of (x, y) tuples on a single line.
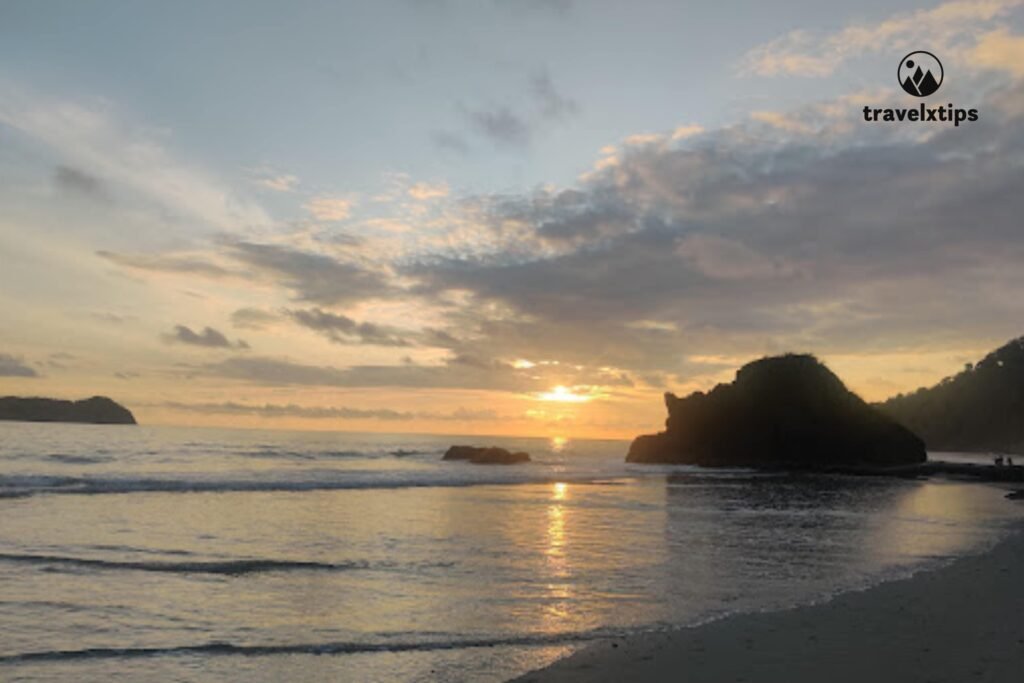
[(773, 538)]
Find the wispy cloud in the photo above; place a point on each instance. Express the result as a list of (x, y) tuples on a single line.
[(501, 125), (253, 318), (193, 264), (508, 126), (949, 26), (280, 183), (95, 141), (328, 412), (425, 191), (330, 209)]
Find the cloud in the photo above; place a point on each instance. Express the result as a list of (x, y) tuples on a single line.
[(330, 209), (950, 26), (95, 141), (460, 371), (1000, 49), (291, 410), (168, 263), (313, 276), (209, 338), (686, 131), (452, 142), (837, 237), (327, 412), (506, 126), (12, 366), (280, 183), (341, 329), (781, 121), (110, 318), (78, 182), (501, 125), (426, 191), (253, 318), (552, 103)]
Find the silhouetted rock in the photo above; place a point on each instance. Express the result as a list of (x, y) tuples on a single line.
[(782, 412), (485, 456), (95, 410), (979, 409)]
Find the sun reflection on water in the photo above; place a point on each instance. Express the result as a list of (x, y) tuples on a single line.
[(558, 613)]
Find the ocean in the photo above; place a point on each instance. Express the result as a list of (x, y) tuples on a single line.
[(175, 554)]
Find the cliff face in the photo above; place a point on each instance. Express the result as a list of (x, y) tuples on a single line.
[(95, 410), (785, 411), (979, 409)]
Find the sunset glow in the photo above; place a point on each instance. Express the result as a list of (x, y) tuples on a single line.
[(564, 395)]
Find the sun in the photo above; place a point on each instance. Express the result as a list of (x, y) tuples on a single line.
[(563, 395)]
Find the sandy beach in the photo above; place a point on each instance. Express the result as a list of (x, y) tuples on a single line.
[(961, 622)]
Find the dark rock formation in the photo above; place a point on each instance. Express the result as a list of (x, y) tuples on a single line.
[(95, 410), (485, 456), (781, 412), (979, 409)]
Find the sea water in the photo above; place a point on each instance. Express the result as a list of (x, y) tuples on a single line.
[(171, 554)]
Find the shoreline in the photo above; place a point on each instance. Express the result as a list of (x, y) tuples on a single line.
[(960, 622)]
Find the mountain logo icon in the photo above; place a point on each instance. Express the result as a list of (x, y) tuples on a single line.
[(920, 73)]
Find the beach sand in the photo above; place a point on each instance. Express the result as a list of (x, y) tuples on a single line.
[(960, 623)]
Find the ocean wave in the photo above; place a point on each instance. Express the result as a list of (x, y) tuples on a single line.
[(18, 486), (235, 567), (224, 649), (76, 459)]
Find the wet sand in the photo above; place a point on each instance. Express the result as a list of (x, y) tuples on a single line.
[(961, 623)]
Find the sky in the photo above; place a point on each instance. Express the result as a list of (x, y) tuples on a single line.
[(526, 217)]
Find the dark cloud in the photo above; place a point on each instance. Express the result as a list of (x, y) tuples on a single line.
[(341, 329), (12, 366), (846, 238), (313, 277), (75, 181), (209, 338)]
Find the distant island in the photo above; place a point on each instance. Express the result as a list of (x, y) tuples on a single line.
[(780, 412), (978, 409), (95, 410)]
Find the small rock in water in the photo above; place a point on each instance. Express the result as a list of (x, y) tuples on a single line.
[(486, 456)]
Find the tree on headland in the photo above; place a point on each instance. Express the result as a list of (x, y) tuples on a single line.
[(978, 409)]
